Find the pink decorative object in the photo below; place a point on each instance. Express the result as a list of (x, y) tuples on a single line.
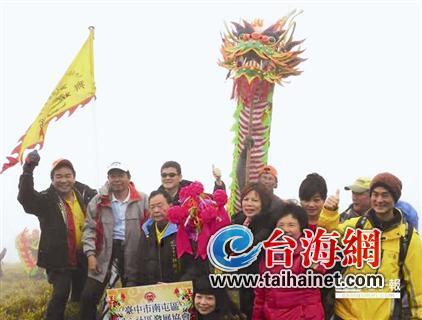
[(198, 217)]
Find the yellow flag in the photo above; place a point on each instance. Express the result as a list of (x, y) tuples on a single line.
[(76, 88)]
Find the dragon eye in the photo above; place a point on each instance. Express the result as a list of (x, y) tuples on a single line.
[(264, 38), (245, 36), (271, 39)]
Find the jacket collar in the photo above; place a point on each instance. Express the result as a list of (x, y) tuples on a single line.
[(76, 189), (146, 227), (396, 227), (385, 225), (105, 194)]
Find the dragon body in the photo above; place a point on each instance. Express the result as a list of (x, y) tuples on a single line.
[(256, 60)]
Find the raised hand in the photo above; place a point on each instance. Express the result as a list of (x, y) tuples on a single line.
[(216, 172), (331, 203), (31, 161)]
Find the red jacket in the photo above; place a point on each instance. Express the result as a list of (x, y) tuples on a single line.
[(287, 303)]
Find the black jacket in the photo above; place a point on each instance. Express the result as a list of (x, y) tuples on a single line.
[(159, 262), (261, 227), (175, 200), (184, 183), (48, 207)]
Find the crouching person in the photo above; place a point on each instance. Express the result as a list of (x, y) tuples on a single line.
[(111, 235), (213, 303)]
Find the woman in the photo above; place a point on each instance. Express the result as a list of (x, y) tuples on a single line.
[(255, 201), (289, 303), (312, 195), (213, 304)]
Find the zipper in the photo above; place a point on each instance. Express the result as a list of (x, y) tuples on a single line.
[(159, 260)]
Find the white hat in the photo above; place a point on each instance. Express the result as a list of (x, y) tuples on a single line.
[(117, 166)]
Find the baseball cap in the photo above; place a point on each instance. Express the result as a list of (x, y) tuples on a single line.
[(59, 163), (268, 169), (361, 184), (117, 166)]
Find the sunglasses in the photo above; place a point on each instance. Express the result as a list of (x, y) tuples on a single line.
[(171, 175)]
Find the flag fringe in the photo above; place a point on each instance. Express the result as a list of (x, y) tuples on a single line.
[(13, 160)]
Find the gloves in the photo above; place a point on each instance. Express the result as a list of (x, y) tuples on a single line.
[(31, 161)]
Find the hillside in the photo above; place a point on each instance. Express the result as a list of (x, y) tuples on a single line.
[(24, 298)]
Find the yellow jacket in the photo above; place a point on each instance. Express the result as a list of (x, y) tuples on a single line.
[(390, 245)]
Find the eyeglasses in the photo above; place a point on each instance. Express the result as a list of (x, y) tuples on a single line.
[(171, 174)]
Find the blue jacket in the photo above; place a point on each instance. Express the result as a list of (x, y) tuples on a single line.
[(159, 261)]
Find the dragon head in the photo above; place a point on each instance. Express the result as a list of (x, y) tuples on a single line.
[(267, 55)]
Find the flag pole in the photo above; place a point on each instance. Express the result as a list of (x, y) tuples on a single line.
[(94, 119)]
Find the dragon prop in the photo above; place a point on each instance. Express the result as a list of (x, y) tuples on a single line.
[(27, 246), (256, 60)]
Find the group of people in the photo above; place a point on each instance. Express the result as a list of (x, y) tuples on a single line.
[(85, 234)]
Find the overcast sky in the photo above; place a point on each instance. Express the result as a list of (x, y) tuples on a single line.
[(161, 96)]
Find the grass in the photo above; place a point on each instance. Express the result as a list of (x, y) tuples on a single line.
[(25, 298)]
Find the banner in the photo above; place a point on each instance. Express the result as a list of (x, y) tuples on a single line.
[(76, 88), (169, 301)]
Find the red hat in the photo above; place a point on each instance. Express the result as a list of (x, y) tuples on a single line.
[(268, 169), (60, 163), (388, 181)]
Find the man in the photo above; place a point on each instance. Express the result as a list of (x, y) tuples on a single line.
[(172, 180), (360, 199), (267, 176), (401, 249), (61, 212), (158, 243), (111, 236)]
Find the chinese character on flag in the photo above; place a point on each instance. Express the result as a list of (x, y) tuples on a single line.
[(279, 249), (361, 246), (75, 89), (320, 248)]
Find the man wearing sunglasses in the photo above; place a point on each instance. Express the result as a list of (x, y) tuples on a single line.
[(172, 181)]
